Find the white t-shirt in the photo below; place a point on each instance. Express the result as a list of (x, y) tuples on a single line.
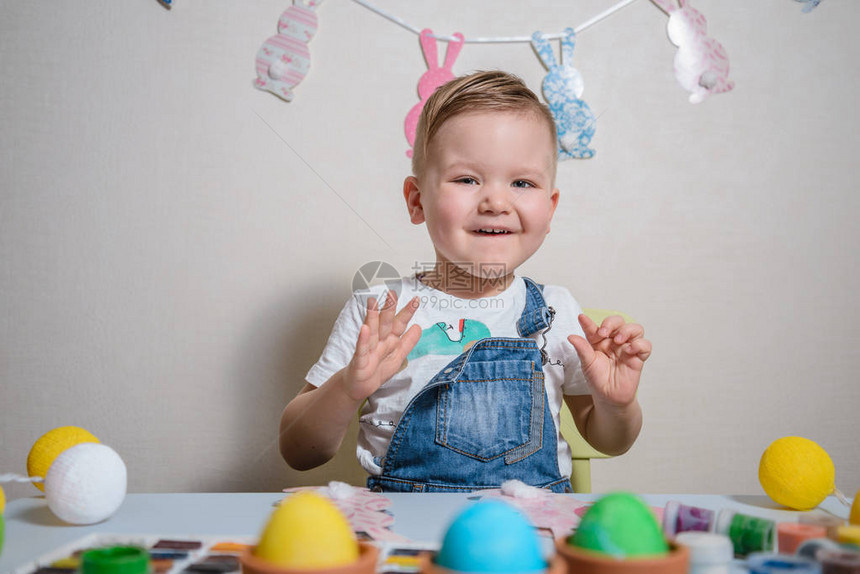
[(449, 325)]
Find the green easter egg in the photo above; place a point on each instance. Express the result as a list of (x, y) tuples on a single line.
[(622, 526)]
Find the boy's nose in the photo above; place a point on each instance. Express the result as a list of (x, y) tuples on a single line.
[(495, 199)]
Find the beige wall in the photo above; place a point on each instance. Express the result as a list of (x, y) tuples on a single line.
[(170, 268)]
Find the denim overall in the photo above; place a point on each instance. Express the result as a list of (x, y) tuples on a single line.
[(481, 420)]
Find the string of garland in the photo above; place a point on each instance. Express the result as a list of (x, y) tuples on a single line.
[(501, 39), (701, 64)]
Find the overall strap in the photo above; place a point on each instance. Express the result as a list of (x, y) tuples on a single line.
[(536, 315)]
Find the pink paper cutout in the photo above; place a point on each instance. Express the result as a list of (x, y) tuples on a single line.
[(560, 514), (283, 60), (701, 63), (364, 510), (432, 78)]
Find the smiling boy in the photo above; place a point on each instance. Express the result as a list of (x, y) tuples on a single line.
[(461, 387)]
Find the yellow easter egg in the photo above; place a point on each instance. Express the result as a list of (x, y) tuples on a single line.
[(796, 472), (2, 501), (50, 445), (854, 517), (307, 531)]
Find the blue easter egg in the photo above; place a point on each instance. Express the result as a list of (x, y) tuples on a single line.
[(491, 536)]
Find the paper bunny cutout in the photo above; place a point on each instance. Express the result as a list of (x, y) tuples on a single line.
[(434, 77), (810, 5), (562, 89), (701, 63), (283, 60)]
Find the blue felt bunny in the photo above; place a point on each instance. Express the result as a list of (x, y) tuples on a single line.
[(562, 88), (810, 5)]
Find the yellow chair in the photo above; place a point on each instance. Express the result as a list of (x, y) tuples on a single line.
[(580, 476)]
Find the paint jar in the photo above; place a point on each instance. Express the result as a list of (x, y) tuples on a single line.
[(811, 548), (768, 563), (829, 522), (748, 533), (790, 535), (709, 553), (848, 534), (679, 517), (841, 561), (115, 560)]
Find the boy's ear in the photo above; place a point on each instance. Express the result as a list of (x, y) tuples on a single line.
[(553, 199), (412, 195)]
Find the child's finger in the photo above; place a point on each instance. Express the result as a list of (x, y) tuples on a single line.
[(583, 349), (372, 322), (410, 339), (589, 327), (640, 348), (362, 348), (405, 315), (627, 332), (386, 315), (610, 325)]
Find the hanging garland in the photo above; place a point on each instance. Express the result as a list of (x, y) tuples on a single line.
[(701, 64), (562, 88), (809, 5), (283, 60), (434, 77)]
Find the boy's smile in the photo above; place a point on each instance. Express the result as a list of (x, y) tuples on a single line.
[(486, 194)]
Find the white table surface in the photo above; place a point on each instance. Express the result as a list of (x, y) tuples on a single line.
[(32, 530)]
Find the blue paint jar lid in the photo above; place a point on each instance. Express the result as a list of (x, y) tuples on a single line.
[(769, 563)]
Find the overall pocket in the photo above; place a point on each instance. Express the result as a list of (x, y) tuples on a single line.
[(495, 408)]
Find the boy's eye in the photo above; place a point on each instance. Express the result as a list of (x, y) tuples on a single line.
[(522, 184), (467, 180)]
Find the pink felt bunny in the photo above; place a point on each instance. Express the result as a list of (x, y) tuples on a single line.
[(283, 60), (432, 78), (701, 63)]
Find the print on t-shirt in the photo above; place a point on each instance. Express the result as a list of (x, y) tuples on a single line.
[(445, 339)]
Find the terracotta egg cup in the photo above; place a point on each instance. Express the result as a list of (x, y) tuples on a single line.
[(428, 566), (583, 561), (366, 564)]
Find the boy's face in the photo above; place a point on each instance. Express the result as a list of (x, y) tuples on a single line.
[(487, 192)]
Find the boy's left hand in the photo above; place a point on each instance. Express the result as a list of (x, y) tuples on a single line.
[(612, 356)]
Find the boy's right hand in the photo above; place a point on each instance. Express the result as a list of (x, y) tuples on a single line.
[(381, 348)]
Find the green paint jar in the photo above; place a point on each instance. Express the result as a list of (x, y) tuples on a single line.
[(115, 560), (748, 533)]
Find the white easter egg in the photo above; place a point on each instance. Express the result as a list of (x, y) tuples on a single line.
[(86, 483)]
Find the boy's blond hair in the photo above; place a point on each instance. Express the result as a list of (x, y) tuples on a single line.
[(490, 91)]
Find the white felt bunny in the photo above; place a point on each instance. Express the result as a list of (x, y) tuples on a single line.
[(562, 88), (701, 63), (283, 60)]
